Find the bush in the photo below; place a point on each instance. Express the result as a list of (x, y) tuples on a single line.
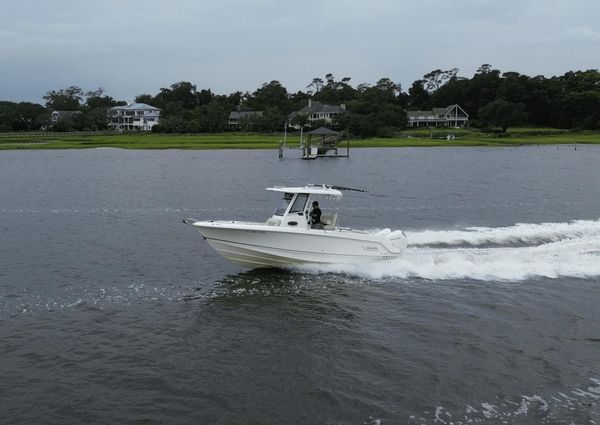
[(62, 126), (385, 132)]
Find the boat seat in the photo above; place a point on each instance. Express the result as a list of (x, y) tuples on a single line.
[(273, 222), (329, 221)]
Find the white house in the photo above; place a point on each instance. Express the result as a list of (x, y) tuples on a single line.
[(451, 116), (320, 111), (135, 116)]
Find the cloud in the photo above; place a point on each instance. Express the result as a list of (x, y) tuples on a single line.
[(230, 45)]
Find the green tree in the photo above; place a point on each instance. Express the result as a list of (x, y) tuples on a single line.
[(384, 91), (68, 99), (335, 92), (148, 99), (215, 114), (580, 81), (7, 115), (95, 119), (64, 125), (272, 119), (270, 95), (298, 101), (23, 116), (95, 111), (482, 89), (376, 112), (419, 97), (453, 92), (182, 92), (172, 124), (96, 99), (316, 84), (580, 109), (204, 97), (300, 120), (437, 78), (502, 114)]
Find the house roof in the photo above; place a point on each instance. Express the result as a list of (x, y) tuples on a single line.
[(321, 107), (317, 107), (451, 107), (418, 113), (244, 114), (136, 107), (435, 112)]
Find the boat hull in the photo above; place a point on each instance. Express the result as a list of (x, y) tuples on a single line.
[(260, 245)]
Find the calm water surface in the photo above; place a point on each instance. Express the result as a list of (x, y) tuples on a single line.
[(113, 311)]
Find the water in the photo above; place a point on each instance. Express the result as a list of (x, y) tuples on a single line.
[(113, 311)]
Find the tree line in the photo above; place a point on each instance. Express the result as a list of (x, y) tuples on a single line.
[(492, 98)]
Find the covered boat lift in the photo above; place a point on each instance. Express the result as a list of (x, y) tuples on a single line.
[(324, 142)]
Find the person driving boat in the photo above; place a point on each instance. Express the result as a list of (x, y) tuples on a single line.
[(315, 216)]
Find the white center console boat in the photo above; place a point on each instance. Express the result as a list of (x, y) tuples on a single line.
[(288, 237)]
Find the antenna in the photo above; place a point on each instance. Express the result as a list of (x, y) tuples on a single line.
[(343, 188)]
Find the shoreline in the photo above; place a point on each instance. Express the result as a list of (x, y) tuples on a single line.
[(407, 138)]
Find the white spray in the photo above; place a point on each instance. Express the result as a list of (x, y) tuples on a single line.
[(518, 252)]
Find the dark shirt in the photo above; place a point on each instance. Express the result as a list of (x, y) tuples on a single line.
[(315, 215)]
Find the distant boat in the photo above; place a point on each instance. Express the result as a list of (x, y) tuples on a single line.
[(288, 237)]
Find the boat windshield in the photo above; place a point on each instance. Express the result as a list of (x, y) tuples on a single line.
[(299, 203), (283, 204)]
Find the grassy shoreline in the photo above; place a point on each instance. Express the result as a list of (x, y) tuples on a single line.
[(408, 138)]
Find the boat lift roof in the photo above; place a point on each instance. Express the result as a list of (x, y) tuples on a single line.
[(323, 190)]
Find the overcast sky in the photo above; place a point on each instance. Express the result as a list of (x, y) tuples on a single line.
[(133, 47)]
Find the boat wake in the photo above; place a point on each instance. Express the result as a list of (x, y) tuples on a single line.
[(577, 405), (514, 253), (519, 234)]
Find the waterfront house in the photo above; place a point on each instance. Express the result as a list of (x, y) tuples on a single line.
[(317, 111), (135, 116), (243, 120), (451, 116)]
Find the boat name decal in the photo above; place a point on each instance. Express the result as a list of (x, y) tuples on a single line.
[(370, 248)]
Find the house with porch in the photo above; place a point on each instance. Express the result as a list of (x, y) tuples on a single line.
[(315, 111), (450, 116), (135, 116)]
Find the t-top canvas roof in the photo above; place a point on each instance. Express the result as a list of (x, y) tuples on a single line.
[(310, 189)]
